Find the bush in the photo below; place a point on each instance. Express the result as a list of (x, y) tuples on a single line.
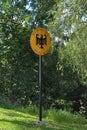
[(6, 103), (32, 109), (59, 116), (64, 116), (62, 104)]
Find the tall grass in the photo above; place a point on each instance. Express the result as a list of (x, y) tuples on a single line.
[(56, 116), (64, 116), (32, 109)]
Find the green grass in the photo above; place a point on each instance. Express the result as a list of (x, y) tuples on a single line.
[(26, 119)]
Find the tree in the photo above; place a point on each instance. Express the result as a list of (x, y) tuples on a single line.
[(19, 65), (68, 29), (18, 79)]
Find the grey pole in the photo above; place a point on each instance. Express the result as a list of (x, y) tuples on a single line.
[(40, 87)]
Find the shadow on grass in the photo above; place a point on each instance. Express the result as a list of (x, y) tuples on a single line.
[(16, 114), (17, 122), (19, 114), (30, 125)]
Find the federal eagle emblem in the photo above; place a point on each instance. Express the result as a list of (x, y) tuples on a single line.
[(41, 40)]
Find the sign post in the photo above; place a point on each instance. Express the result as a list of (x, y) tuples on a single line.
[(40, 87), (40, 43)]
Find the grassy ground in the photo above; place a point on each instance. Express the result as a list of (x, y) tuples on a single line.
[(52, 120)]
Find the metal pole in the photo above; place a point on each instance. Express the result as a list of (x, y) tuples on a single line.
[(40, 87)]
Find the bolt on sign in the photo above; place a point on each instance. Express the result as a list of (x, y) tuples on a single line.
[(40, 41)]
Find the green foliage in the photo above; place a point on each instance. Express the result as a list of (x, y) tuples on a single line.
[(18, 77), (40, 12), (5, 103), (68, 30), (63, 116), (61, 104), (32, 109), (64, 68)]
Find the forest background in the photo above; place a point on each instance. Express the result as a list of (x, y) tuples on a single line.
[(64, 67)]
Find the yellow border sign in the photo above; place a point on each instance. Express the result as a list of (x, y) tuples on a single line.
[(40, 41)]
